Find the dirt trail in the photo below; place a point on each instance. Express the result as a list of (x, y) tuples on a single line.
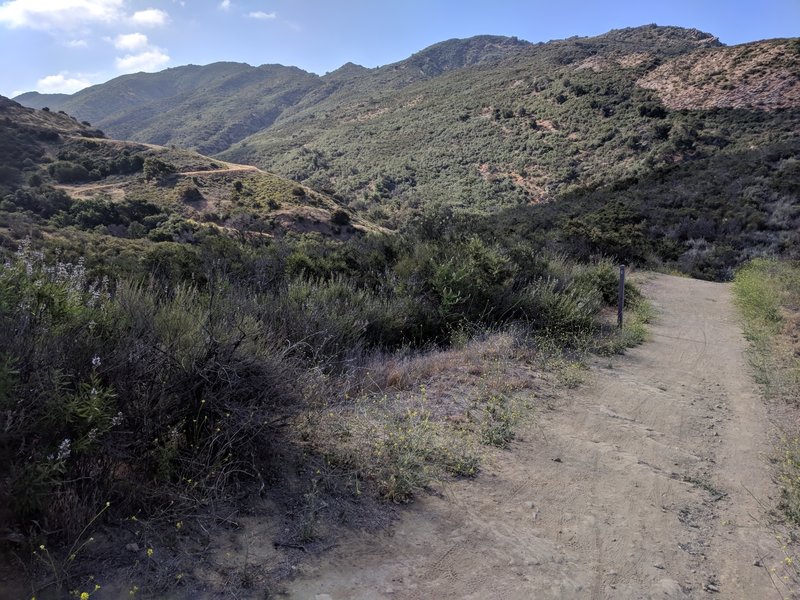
[(641, 484), (229, 168), (84, 191)]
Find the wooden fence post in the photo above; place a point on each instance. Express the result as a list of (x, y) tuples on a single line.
[(621, 295)]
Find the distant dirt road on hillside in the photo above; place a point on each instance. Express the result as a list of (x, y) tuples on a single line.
[(644, 483)]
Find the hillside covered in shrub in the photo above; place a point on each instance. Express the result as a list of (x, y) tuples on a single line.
[(649, 118), (174, 321)]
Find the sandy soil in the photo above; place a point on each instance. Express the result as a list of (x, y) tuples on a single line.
[(644, 483)]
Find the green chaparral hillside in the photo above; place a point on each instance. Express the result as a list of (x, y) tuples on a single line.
[(66, 181), (208, 108), (694, 142)]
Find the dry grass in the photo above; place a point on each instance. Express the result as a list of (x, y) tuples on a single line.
[(768, 296), (416, 420)]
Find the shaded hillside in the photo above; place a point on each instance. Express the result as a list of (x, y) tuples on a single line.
[(703, 217)]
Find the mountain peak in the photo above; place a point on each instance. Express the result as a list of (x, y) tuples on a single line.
[(458, 53), (346, 71), (670, 39)]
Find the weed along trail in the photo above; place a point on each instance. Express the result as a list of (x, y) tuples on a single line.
[(646, 482)]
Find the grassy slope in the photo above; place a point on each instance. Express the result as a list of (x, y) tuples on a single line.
[(768, 296)]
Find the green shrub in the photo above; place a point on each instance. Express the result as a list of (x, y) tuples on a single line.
[(340, 217), (190, 194), (44, 201), (67, 172), (155, 168), (559, 311), (195, 376)]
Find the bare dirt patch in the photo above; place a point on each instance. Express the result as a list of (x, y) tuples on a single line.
[(115, 191)]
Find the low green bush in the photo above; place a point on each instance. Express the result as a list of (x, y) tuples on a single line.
[(144, 397)]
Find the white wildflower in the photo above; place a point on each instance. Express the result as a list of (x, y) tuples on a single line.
[(64, 450)]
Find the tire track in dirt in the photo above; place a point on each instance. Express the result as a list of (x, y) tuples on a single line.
[(659, 455)]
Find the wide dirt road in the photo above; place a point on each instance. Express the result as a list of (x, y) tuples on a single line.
[(644, 483)]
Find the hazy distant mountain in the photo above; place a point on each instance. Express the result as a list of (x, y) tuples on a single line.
[(210, 107), (205, 108)]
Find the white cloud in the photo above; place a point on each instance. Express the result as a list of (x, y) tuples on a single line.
[(151, 17), (62, 83), (225, 4), (149, 60), (141, 55), (131, 41), (76, 44), (59, 14), (260, 14)]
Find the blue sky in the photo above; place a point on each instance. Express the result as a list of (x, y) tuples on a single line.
[(63, 45)]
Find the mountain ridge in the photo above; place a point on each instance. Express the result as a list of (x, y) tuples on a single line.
[(120, 104)]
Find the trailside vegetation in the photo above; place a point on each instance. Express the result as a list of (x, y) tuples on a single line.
[(768, 296)]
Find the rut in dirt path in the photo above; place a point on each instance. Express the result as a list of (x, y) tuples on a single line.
[(645, 483)]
